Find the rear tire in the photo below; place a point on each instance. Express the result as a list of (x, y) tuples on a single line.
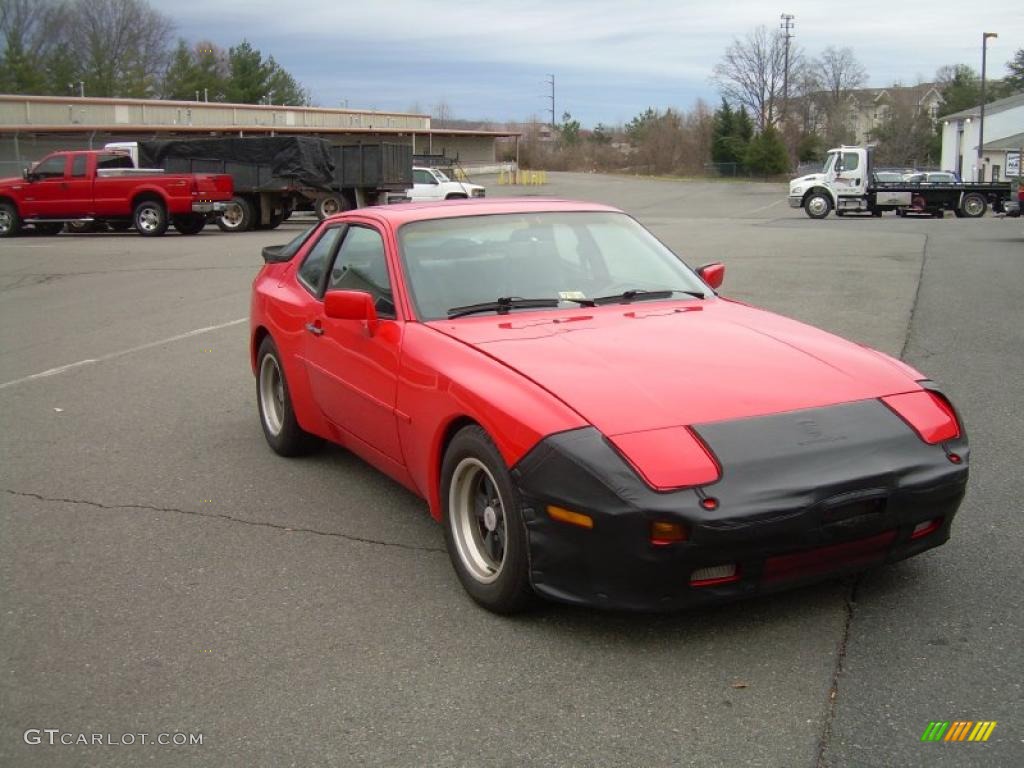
[(10, 221), (274, 401), (483, 524), (237, 217), (189, 223), (150, 218), (973, 205)]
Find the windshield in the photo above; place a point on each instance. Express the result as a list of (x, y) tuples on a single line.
[(829, 161), (568, 257), (441, 176)]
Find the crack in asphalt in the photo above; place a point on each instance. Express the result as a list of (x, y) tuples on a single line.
[(825, 741), (917, 296), (225, 517)]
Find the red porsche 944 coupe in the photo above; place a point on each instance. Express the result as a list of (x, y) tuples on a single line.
[(586, 417)]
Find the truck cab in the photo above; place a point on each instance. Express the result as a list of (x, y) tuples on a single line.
[(841, 185)]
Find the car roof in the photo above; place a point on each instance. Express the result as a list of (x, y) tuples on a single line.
[(403, 213)]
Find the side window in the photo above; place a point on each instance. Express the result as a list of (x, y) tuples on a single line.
[(51, 168), (361, 265), (314, 266), (78, 166), (114, 161), (423, 177), (850, 161)]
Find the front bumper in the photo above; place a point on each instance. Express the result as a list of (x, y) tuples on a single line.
[(206, 206), (793, 508), (796, 202)]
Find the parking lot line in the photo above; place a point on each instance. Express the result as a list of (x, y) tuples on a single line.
[(121, 353)]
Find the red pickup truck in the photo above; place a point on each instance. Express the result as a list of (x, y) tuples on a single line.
[(105, 187)]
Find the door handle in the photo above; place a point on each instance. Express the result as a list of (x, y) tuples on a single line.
[(316, 330)]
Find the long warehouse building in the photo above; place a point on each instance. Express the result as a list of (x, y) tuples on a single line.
[(32, 126)]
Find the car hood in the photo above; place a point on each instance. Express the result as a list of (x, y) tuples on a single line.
[(814, 178), (644, 366)]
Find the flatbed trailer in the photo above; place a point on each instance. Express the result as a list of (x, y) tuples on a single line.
[(847, 184)]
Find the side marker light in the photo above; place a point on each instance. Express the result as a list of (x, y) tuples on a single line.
[(664, 533), (563, 515)]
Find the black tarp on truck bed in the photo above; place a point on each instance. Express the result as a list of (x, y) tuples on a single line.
[(254, 163)]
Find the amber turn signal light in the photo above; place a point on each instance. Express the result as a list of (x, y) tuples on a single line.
[(664, 532), (563, 515)]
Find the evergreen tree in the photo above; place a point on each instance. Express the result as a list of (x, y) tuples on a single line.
[(1014, 80), (766, 154), (723, 134)]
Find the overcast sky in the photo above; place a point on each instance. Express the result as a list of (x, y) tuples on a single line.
[(489, 59)]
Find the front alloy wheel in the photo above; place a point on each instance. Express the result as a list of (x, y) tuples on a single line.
[(483, 525)]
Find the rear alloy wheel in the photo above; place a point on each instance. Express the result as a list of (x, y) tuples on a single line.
[(483, 526), (818, 205), (237, 217), (283, 433), (973, 205), (150, 218), (189, 223), (10, 222)]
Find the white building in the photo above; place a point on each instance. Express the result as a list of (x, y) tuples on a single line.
[(1004, 139)]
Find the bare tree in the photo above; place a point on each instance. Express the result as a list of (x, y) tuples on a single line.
[(837, 73), (751, 74), (122, 46)]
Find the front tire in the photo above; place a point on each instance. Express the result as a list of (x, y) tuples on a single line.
[(10, 221), (483, 525), (274, 400), (329, 205), (237, 217), (818, 205), (150, 218)]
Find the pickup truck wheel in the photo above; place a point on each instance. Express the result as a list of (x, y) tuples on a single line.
[(10, 222), (818, 205), (329, 205), (150, 218), (973, 205), (189, 223), (237, 217), (455, 196)]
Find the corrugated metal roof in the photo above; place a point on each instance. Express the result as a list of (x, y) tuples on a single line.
[(992, 108)]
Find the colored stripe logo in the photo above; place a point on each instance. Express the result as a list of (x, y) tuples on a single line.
[(958, 730)]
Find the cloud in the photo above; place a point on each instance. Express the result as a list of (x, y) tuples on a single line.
[(610, 59)]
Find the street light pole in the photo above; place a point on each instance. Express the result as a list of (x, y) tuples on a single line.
[(981, 122)]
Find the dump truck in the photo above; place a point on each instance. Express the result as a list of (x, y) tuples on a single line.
[(277, 174)]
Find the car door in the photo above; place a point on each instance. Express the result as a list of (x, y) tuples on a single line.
[(850, 180), (425, 186), (78, 187), (353, 370), (44, 195)]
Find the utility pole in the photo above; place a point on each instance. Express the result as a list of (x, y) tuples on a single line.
[(787, 31), (981, 123), (551, 81)]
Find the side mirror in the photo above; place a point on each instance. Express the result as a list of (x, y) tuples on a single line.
[(713, 274), (351, 305), (27, 175)]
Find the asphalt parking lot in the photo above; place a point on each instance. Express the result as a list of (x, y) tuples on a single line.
[(161, 571)]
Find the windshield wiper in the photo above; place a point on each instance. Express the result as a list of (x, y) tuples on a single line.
[(639, 294), (502, 305)]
